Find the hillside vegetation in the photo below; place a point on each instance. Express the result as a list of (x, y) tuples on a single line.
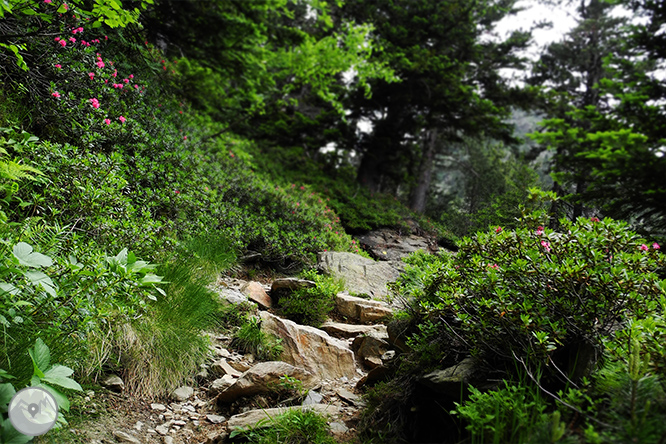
[(148, 146)]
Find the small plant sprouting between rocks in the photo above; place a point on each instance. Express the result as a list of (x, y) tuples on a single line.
[(251, 339), (311, 306)]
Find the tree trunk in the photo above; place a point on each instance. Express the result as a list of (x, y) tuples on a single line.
[(369, 172), (419, 196)]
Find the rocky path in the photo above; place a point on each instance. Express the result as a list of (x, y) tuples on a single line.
[(236, 391)]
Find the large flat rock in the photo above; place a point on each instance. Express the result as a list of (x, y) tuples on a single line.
[(310, 348), (361, 275), (261, 377), (252, 417), (360, 309), (340, 330)]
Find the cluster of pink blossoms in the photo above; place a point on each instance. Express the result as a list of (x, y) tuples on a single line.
[(655, 246), (94, 102)]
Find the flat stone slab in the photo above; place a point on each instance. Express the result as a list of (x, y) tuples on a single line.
[(259, 379), (340, 330), (360, 275), (291, 284), (252, 417), (387, 244), (363, 310)]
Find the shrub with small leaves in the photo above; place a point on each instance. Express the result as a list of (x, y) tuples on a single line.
[(534, 295)]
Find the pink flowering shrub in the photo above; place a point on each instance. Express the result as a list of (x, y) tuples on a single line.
[(536, 296)]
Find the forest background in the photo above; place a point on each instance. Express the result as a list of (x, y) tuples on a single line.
[(193, 133)]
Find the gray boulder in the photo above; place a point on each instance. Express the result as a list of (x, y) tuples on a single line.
[(361, 275), (451, 381), (387, 244)]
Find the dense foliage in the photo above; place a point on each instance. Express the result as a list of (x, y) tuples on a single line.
[(147, 145), (561, 316)]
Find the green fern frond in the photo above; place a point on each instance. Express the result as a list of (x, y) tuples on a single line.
[(11, 170)]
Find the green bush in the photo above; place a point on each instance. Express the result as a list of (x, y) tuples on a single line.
[(311, 306), (511, 414), (293, 427), (579, 311), (537, 296)]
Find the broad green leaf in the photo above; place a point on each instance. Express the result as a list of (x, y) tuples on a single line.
[(41, 356), (59, 375), (120, 258), (61, 399), (12, 436), (23, 252), (9, 288), (151, 278), (5, 375), (39, 278), (7, 391)]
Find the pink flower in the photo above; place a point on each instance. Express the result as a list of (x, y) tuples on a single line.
[(184, 137), (131, 76), (545, 245), (539, 231), (176, 191), (58, 65), (126, 80), (180, 112), (136, 86), (80, 29), (100, 64), (57, 39), (62, 43), (122, 119), (107, 121), (47, 1), (302, 187), (55, 94), (643, 247), (493, 266), (72, 39), (64, 5), (91, 75), (656, 246), (106, 37), (74, 31), (594, 219), (231, 154), (498, 230), (94, 102), (115, 73)]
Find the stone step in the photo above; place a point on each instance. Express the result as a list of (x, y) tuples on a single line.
[(348, 331)]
